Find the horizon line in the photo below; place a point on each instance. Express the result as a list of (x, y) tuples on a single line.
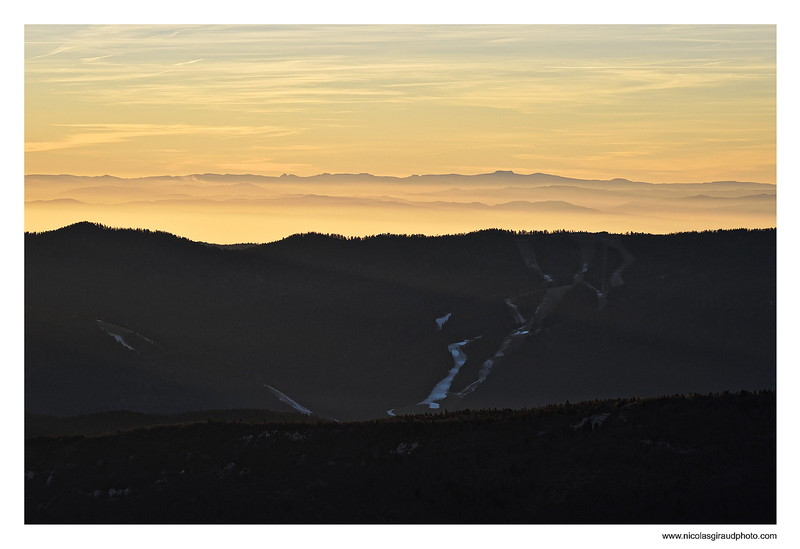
[(496, 172)]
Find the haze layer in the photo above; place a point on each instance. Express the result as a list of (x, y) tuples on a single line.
[(230, 209)]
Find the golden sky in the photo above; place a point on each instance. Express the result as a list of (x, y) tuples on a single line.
[(647, 103)]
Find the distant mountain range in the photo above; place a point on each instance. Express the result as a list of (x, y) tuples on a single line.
[(359, 328), (238, 208)]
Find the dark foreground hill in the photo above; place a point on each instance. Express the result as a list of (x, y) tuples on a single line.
[(701, 459), (354, 329), (39, 425)]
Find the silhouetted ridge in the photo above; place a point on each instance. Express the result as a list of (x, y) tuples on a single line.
[(87, 227), (349, 328)]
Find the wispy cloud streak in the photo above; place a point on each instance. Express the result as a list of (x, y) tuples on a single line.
[(94, 134), (399, 99)]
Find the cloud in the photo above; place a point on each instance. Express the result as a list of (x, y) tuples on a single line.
[(510, 67), (187, 62), (95, 134), (392, 95), (58, 50), (92, 59)]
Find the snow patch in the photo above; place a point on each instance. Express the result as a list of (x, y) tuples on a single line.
[(404, 448), (391, 412), (670, 448), (441, 388), (440, 321), (596, 420), (119, 333), (285, 399), (122, 341)]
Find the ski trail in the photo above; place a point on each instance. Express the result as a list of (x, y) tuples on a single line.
[(486, 368), (602, 299), (529, 257), (120, 340), (627, 259), (549, 302), (577, 278), (517, 317), (285, 399), (439, 392), (119, 333)]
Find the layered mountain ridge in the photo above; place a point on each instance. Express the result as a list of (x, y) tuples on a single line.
[(358, 328), (236, 208)]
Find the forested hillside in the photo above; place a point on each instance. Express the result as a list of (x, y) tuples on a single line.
[(699, 459), (347, 328)]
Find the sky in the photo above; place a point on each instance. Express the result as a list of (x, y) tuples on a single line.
[(648, 103)]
